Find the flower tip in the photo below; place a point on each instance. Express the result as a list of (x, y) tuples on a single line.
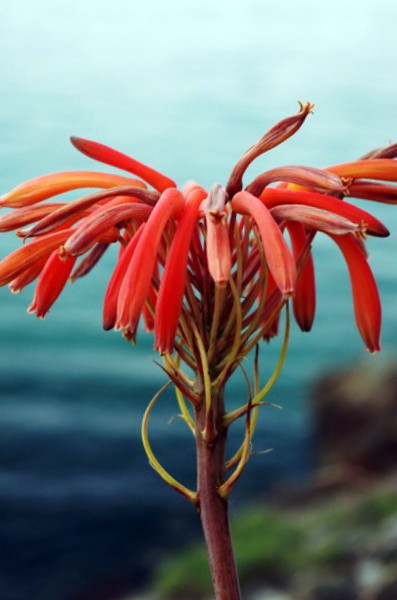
[(386, 233), (306, 107), (305, 326), (107, 325), (34, 310), (373, 348), (77, 142), (162, 348), (288, 292), (129, 335), (13, 288)]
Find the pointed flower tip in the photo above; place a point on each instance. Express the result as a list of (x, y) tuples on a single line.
[(74, 140), (306, 107)]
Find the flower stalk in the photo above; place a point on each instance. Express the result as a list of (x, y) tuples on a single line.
[(213, 506)]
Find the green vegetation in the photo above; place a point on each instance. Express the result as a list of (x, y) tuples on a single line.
[(272, 545)]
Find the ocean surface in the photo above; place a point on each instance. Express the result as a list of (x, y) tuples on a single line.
[(185, 88)]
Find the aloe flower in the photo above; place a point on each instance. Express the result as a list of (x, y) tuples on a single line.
[(209, 272)]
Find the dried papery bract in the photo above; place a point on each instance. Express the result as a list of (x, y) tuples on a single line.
[(211, 274)]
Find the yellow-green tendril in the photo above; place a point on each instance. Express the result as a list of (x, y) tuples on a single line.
[(174, 365), (186, 416), (179, 487), (225, 489), (280, 363), (259, 394)]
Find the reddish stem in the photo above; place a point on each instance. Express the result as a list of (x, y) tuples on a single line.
[(213, 509)]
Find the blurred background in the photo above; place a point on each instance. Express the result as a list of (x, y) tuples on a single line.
[(186, 88)]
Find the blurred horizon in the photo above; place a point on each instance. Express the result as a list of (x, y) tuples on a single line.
[(186, 89)]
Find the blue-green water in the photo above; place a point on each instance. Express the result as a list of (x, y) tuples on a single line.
[(185, 88)]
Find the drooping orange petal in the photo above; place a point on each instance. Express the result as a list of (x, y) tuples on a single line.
[(371, 190), (272, 197), (47, 186), (304, 298), (172, 287), (273, 137), (136, 283), (373, 168), (15, 263), (52, 280), (27, 276), (24, 216), (316, 218), (278, 256), (389, 151), (78, 207), (113, 289), (318, 179), (94, 226), (367, 306), (117, 159)]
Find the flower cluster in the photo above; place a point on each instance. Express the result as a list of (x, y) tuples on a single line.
[(209, 272)]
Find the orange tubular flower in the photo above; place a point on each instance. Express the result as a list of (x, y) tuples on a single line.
[(47, 186), (304, 299), (218, 247), (113, 289), (172, 288), (52, 280), (367, 306), (117, 159), (277, 254), (136, 283), (210, 274)]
